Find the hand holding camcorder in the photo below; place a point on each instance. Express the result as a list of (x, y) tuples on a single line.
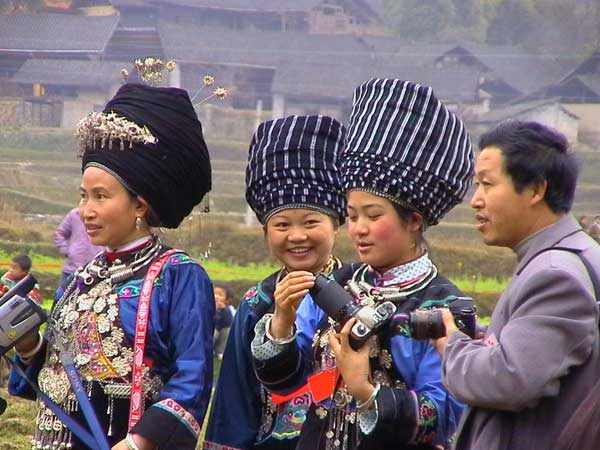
[(419, 324), (19, 314)]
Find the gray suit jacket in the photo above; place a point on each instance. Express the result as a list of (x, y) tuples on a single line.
[(540, 355)]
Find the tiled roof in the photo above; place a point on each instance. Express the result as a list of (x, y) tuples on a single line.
[(71, 72), (55, 33)]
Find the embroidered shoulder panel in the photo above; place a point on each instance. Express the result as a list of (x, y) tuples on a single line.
[(257, 298), (176, 259)]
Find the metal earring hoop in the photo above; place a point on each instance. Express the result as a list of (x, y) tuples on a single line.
[(138, 223)]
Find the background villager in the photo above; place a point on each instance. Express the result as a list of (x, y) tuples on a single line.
[(223, 318), (74, 244)]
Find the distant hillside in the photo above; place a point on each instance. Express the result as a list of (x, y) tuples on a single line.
[(39, 174)]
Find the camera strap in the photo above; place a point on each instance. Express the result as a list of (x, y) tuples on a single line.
[(594, 276), (84, 435)]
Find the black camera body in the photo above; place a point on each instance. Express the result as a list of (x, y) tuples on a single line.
[(19, 314), (419, 324), (339, 305), (428, 323)]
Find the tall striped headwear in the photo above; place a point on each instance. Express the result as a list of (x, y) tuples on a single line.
[(405, 145), (293, 163)]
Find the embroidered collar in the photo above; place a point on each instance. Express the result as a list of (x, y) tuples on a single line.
[(404, 274), (132, 247)]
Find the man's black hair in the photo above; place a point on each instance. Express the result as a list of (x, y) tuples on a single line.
[(534, 153)]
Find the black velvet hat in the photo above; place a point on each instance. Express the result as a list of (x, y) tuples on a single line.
[(150, 139)]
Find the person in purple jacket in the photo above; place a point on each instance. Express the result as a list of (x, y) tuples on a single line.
[(74, 244)]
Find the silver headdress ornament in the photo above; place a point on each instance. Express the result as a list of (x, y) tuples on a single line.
[(151, 71), (109, 128), (103, 128)]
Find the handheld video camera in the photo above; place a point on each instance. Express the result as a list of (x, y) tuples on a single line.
[(428, 323), (19, 314), (339, 305)]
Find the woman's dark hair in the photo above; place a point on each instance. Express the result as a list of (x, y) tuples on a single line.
[(406, 214), (151, 217), (533, 154)]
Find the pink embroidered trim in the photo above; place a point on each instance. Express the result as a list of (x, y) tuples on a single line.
[(176, 409), (207, 445)]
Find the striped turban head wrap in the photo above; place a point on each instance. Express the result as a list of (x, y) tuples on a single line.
[(405, 145), (293, 163)]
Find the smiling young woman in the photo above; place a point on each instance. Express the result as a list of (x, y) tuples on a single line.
[(293, 186)]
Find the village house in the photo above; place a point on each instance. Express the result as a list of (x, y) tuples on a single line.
[(548, 111), (32, 46), (579, 93)]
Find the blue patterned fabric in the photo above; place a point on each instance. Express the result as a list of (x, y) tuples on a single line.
[(293, 163), (178, 349), (404, 144)]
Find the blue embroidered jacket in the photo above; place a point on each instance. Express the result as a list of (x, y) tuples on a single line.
[(415, 412), (242, 416), (178, 350)]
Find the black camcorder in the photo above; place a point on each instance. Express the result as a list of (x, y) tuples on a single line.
[(419, 324), (19, 314), (428, 323), (339, 305)]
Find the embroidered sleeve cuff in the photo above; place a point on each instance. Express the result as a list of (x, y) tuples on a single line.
[(265, 348), (279, 366), (168, 425)]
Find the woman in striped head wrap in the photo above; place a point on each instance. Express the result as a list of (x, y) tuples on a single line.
[(293, 186)]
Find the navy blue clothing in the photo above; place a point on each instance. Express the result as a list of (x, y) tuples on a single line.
[(223, 318), (414, 412), (238, 408)]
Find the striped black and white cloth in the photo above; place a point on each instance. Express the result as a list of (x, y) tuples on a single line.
[(293, 163), (404, 144)]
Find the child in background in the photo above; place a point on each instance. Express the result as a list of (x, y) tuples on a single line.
[(19, 268), (223, 318)]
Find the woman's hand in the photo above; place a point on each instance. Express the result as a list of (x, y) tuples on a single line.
[(141, 442), (353, 365), (289, 292)]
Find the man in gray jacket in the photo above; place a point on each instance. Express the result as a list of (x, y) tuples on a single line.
[(540, 355)]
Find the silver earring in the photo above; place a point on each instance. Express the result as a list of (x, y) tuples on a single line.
[(138, 223)]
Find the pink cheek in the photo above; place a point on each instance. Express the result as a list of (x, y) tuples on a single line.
[(382, 231)]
